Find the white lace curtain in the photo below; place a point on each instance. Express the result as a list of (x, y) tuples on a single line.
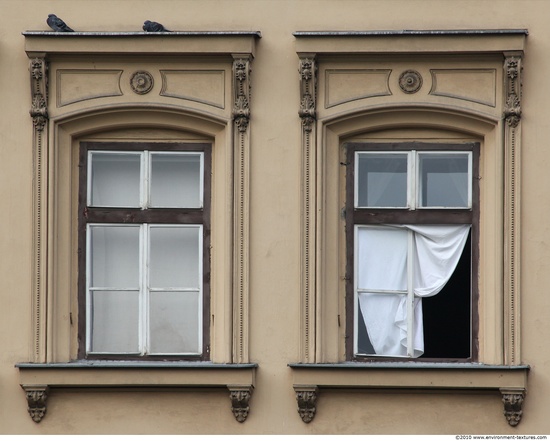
[(384, 276)]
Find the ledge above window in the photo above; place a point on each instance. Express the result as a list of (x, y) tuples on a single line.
[(37, 378), (159, 43), (510, 381), (411, 41)]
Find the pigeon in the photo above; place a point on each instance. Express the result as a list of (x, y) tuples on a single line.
[(153, 26), (57, 24)]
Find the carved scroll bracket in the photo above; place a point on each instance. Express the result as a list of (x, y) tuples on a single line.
[(513, 405), (39, 90), (512, 108), (240, 397), (36, 401), (241, 80), (308, 92), (306, 396)]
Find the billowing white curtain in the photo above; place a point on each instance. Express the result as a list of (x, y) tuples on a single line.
[(382, 254)]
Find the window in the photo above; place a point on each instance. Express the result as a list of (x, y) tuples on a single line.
[(144, 226), (411, 221)]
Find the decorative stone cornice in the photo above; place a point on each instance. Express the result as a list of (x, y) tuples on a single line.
[(306, 396), (36, 401), (512, 107), (39, 89), (240, 397), (241, 108), (513, 405), (308, 92)]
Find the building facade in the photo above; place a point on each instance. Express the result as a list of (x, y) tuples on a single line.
[(287, 217)]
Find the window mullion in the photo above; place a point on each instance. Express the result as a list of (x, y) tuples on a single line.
[(145, 187), (144, 289), (411, 180)]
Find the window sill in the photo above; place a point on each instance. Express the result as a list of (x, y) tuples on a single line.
[(510, 381), (37, 378)]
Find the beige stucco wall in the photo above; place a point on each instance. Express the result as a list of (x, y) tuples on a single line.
[(275, 229)]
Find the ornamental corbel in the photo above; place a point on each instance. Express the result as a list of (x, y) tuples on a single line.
[(512, 106), (240, 397), (241, 107), (36, 401), (513, 405), (306, 396), (39, 90), (308, 92)]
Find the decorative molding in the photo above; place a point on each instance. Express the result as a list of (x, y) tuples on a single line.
[(308, 92), (141, 82), (410, 81), (241, 108), (306, 396), (241, 117), (512, 108), (39, 114), (36, 401), (76, 85), (512, 194), (347, 85), (201, 86), (307, 113), (457, 84), (513, 405), (240, 397), (39, 91)]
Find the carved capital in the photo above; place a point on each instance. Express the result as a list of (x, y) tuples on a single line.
[(306, 396), (513, 82), (36, 401), (240, 397), (513, 405), (308, 92), (39, 90), (241, 84)]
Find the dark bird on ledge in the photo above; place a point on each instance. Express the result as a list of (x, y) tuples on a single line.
[(57, 24), (153, 26)]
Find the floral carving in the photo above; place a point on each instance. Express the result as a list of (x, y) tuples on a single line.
[(513, 403), (141, 82), (39, 86), (307, 400), (410, 81), (308, 90), (39, 111), (239, 402), (36, 402), (241, 108), (512, 107)]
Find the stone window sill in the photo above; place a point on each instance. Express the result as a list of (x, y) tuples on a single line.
[(510, 381), (37, 378)]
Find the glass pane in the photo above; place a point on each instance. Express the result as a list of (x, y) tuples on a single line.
[(176, 180), (174, 322), (114, 321), (381, 252), (114, 256), (443, 180), (115, 179), (381, 180), (174, 257)]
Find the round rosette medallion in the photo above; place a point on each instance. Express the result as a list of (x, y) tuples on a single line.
[(410, 81), (141, 82)]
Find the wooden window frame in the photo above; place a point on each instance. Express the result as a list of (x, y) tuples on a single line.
[(94, 215), (376, 216)]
